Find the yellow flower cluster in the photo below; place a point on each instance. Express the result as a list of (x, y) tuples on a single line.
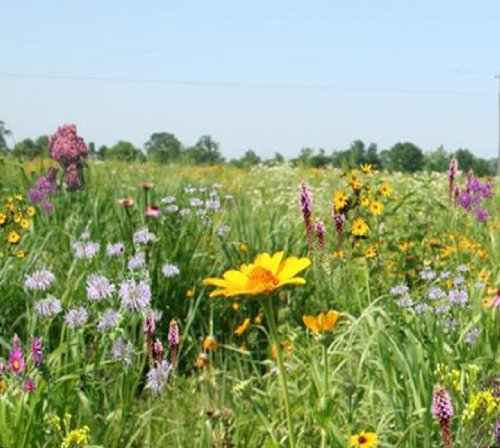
[(481, 404), (448, 377), (15, 221), (76, 437)]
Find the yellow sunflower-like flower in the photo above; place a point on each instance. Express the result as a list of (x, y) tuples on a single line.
[(210, 343), (359, 227), (24, 223), (364, 440), (321, 323), (339, 200), (376, 208), (371, 251), (13, 237), (3, 219), (30, 211), (385, 189), (364, 200), (366, 168), (266, 274), (356, 184)]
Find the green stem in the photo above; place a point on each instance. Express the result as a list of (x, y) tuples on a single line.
[(268, 310), (325, 366)]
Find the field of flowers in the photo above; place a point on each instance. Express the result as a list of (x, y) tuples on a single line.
[(156, 306)]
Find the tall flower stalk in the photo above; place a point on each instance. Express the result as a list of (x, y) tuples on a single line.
[(442, 409)]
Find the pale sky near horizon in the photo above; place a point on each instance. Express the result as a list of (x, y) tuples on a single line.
[(274, 76)]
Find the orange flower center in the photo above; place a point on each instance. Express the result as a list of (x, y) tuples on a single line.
[(262, 280), (16, 365)]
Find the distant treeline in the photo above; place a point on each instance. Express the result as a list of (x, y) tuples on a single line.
[(164, 147)]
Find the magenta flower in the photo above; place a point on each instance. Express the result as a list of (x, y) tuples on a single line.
[(306, 207), (17, 364), (29, 386), (442, 409), (37, 351), (174, 341)]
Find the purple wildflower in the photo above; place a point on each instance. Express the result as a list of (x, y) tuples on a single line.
[(17, 363), (442, 309), (172, 208), (158, 377), (135, 296), (422, 308), (29, 386), (115, 249), (320, 234), (458, 297), (168, 200), (471, 336), (442, 409), (76, 317), (170, 270), (404, 302), (195, 202), (99, 287), (85, 250), (122, 351), (108, 321), (184, 212), (48, 307), (37, 351), (400, 290), (138, 261), (435, 293), (143, 236), (306, 207), (223, 230), (427, 274), (42, 280)]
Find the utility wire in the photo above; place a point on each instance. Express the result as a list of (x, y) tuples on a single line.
[(245, 85)]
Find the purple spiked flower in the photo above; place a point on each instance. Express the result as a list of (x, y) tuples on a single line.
[(442, 409), (37, 351), (306, 207), (173, 340)]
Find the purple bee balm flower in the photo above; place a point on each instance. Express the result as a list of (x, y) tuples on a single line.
[(99, 287), (37, 351), (143, 236), (122, 351), (435, 293), (115, 249), (172, 208), (400, 290), (427, 275), (458, 297), (195, 202), (108, 321), (76, 317), (463, 268), (85, 250), (29, 386), (48, 307), (223, 230), (450, 324), (471, 336), (404, 302), (170, 270), (200, 213), (17, 363), (168, 200), (458, 280), (40, 280), (442, 309), (445, 274), (138, 261), (158, 377), (482, 214), (422, 308), (135, 296), (184, 212), (212, 204)]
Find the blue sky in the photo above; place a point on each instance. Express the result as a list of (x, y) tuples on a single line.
[(285, 74)]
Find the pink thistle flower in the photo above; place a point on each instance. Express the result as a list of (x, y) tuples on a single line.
[(17, 364), (174, 341), (29, 386), (320, 233)]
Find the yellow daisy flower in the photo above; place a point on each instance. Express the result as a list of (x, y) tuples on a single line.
[(385, 189), (25, 224), (266, 274), (3, 219), (30, 211), (359, 227), (366, 168), (321, 323), (242, 328), (340, 200), (13, 237), (364, 440), (376, 208)]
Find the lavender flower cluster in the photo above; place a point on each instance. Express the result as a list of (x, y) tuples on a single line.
[(444, 302), (45, 187)]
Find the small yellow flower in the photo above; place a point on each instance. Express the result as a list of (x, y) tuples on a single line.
[(189, 293), (244, 247), (242, 328), (3, 219), (286, 349), (366, 168), (403, 247), (235, 306), (19, 198), (376, 208), (25, 224), (18, 217), (266, 274), (340, 200), (364, 440), (359, 227), (338, 254), (365, 201), (210, 343), (385, 189), (13, 237), (257, 319), (321, 323), (30, 211), (3, 385), (21, 253), (371, 251), (76, 437), (356, 183)]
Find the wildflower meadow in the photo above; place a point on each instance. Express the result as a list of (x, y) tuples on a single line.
[(149, 305)]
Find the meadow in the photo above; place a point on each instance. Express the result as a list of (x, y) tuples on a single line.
[(112, 336)]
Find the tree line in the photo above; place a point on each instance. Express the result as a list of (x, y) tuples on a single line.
[(165, 147)]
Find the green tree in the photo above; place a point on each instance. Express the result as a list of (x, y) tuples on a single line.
[(29, 149), (438, 160), (163, 147), (405, 157), (465, 159), (205, 152), (125, 151), (4, 133)]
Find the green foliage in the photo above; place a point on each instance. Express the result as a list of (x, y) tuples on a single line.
[(405, 157), (163, 147), (125, 151)]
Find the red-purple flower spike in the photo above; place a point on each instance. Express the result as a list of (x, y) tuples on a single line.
[(173, 340), (442, 409), (306, 207), (452, 174), (320, 234), (149, 329), (159, 351), (37, 351)]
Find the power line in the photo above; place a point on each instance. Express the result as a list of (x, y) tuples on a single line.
[(245, 85)]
